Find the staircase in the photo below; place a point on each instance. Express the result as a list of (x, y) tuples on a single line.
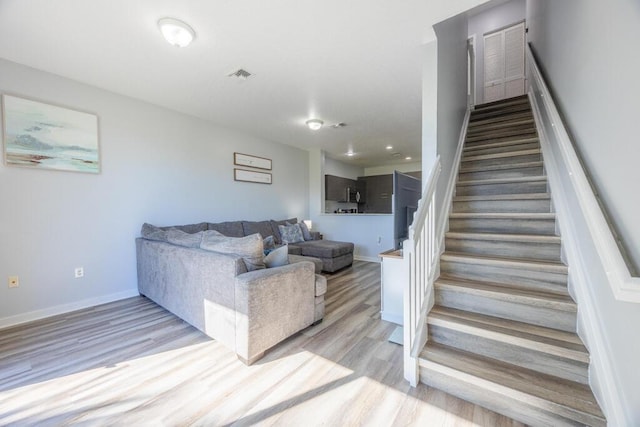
[(502, 333)]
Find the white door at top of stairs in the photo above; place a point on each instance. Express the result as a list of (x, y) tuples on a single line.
[(504, 72)]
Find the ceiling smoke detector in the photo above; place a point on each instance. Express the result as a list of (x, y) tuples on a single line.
[(240, 74)]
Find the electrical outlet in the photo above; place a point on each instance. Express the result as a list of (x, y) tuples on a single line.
[(14, 282), (79, 272)]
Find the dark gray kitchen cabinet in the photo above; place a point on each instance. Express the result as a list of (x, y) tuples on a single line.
[(339, 189)]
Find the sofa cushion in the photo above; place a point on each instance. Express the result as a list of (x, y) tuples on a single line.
[(321, 285), (276, 230), (189, 228), (250, 248), (229, 228), (277, 257), (152, 232), (317, 262), (291, 233), (305, 231), (181, 238), (262, 227), (325, 248), (295, 250)]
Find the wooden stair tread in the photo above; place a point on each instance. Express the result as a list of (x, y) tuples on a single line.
[(484, 127), (539, 298), (504, 237), (487, 168), (527, 264), (523, 196), (500, 144), (503, 215), (513, 180), (537, 338), (516, 115), (542, 387), (502, 155)]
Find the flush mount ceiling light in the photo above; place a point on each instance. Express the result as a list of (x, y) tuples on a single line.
[(176, 32), (314, 124)]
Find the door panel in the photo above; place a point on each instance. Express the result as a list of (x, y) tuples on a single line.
[(504, 73)]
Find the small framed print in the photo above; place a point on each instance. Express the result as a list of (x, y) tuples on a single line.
[(251, 176), (246, 160)]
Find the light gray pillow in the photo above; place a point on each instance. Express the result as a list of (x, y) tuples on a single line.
[(305, 231), (181, 238), (250, 248), (291, 233), (277, 257), (152, 232)]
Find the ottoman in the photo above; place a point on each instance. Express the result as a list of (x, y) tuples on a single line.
[(334, 255)]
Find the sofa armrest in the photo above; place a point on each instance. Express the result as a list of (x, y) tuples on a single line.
[(271, 305)]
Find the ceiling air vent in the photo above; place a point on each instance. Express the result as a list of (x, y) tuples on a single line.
[(240, 74), (339, 125)]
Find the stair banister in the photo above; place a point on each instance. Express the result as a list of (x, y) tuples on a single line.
[(420, 253)]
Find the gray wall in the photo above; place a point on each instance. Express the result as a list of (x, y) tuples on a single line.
[(158, 166), (452, 94), (492, 19), (588, 52)]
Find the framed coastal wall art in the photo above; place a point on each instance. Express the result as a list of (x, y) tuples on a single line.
[(251, 161), (251, 176), (45, 136)]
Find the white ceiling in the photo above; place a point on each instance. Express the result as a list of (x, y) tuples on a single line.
[(356, 61)]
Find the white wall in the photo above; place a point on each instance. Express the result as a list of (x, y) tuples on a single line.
[(452, 94), (492, 19), (158, 166), (344, 170), (587, 50)]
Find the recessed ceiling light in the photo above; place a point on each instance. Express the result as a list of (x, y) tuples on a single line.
[(389, 147), (408, 158), (350, 153), (314, 124), (176, 32)]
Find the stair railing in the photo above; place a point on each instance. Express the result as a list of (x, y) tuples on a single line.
[(420, 254)]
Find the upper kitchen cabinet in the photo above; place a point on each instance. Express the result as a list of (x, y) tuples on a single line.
[(340, 189)]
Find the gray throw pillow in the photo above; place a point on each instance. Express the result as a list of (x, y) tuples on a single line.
[(277, 257), (291, 233), (269, 243), (249, 247), (180, 238), (152, 232), (305, 231)]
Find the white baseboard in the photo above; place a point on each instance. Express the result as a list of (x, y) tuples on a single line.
[(366, 258), (64, 308)]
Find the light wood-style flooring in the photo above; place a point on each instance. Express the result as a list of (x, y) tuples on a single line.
[(132, 363)]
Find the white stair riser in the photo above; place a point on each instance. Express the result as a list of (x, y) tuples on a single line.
[(501, 149), (507, 275), (498, 402), (516, 172), (516, 158), (525, 357), (530, 250), (545, 227), (526, 187), (518, 311), (514, 206)]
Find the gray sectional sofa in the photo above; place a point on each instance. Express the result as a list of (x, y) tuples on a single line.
[(334, 255), (227, 295)]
